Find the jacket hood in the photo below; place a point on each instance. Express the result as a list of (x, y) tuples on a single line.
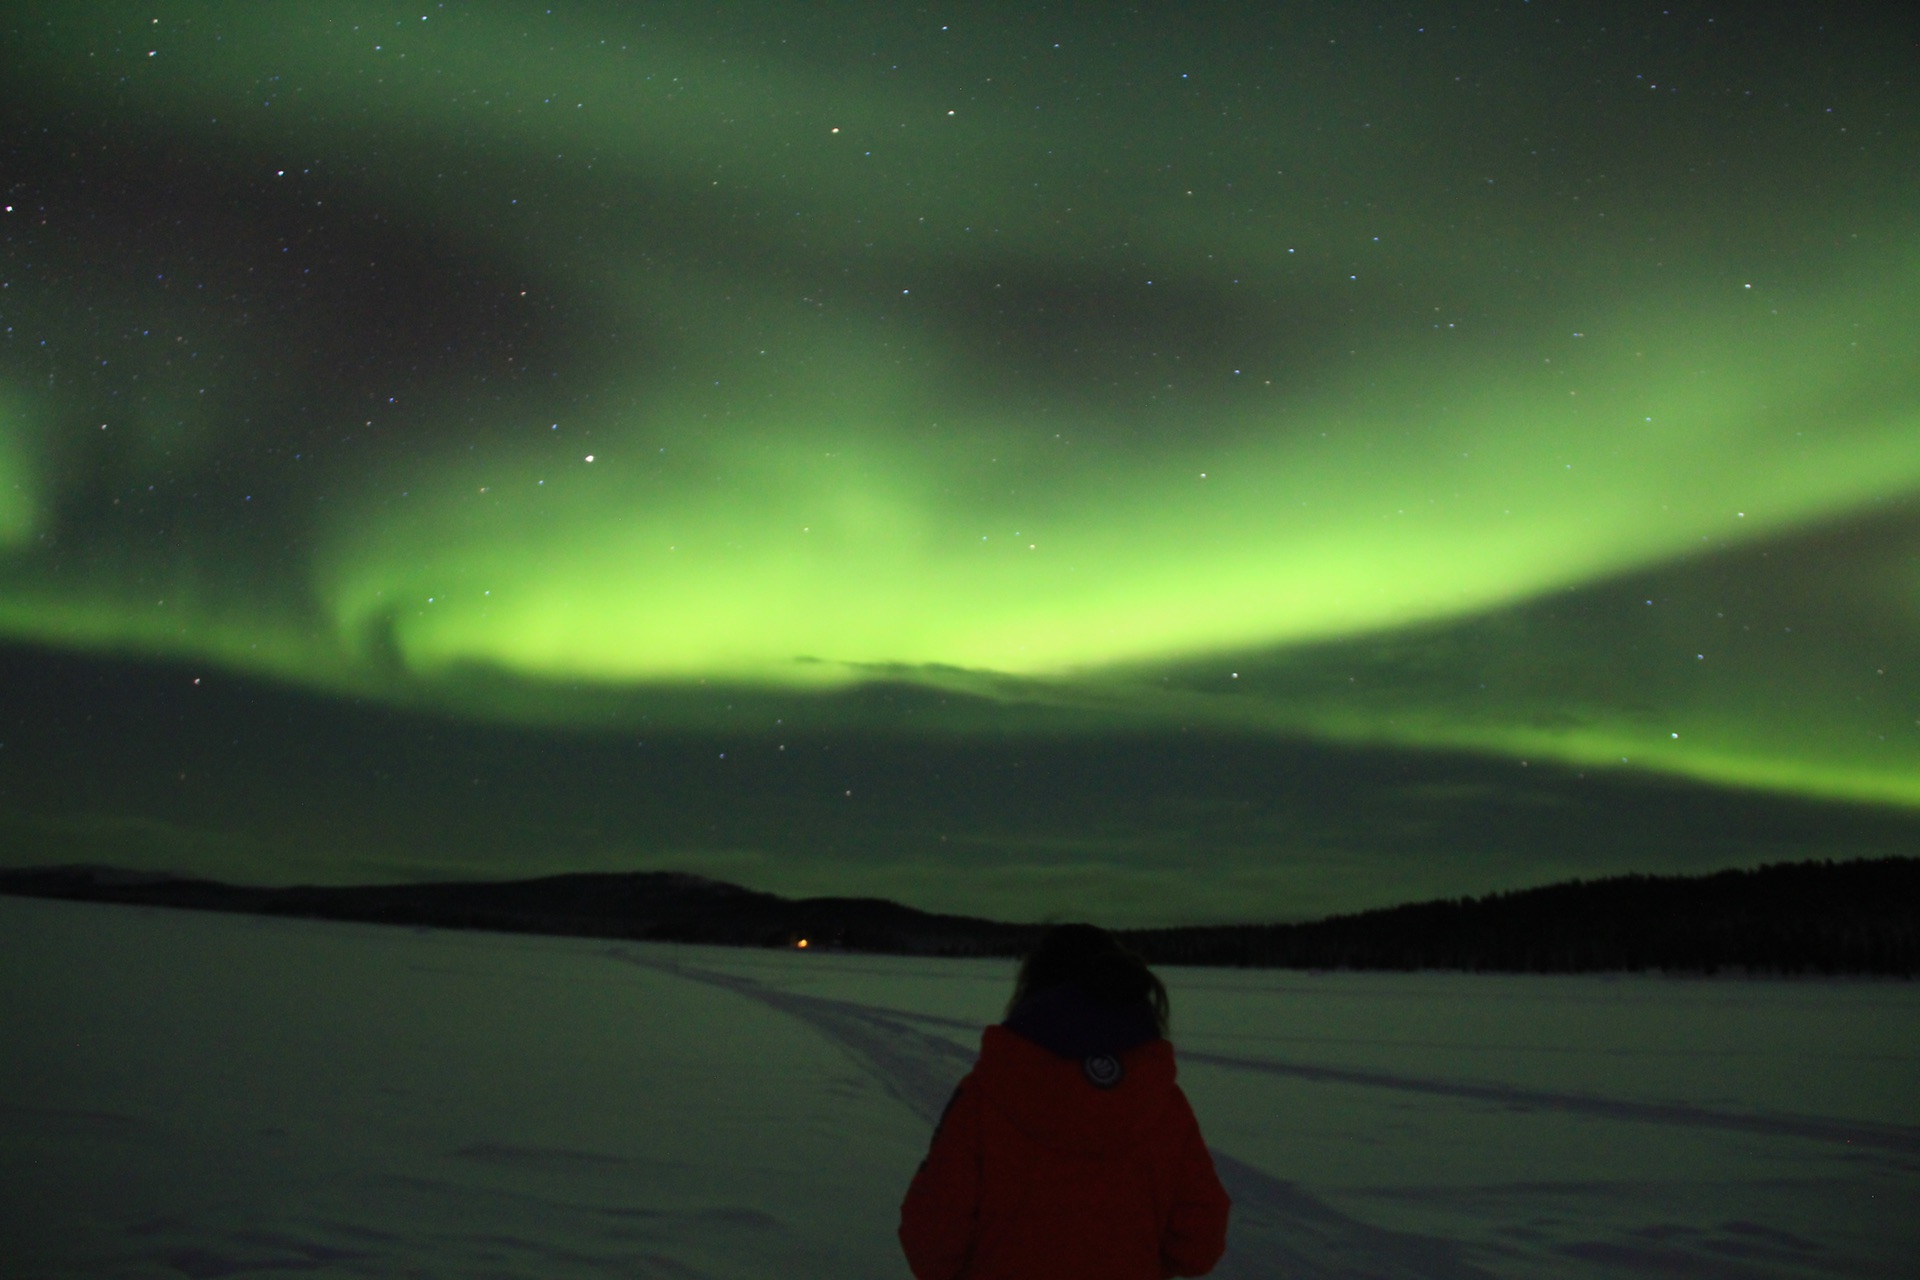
[(1077, 1076), (1073, 1024)]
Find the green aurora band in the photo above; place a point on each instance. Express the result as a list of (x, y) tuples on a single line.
[(1341, 374)]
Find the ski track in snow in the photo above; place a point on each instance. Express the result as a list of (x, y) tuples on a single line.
[(1278, 1229), (1895, 1138)]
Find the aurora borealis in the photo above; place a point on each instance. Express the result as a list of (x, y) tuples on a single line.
[(1528, 385)]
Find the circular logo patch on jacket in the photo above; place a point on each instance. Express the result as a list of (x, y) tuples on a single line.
[(1103, 1070)]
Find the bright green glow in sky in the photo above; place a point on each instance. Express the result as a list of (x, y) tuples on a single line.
[(813, 532), (970, 348)]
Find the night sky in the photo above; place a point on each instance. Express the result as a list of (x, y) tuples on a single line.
[(1159, 464)]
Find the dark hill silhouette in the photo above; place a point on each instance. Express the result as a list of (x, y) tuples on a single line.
[(1858, 917), (666, 906), (1788, 918)]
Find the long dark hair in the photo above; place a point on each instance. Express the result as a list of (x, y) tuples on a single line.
[(1093, 959)]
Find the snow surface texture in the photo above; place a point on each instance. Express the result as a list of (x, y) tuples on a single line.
[(201, 1095)]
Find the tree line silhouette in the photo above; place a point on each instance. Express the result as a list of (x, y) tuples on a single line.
[(1810, 918), (1858, 917)]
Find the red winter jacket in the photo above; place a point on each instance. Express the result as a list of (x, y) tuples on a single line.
[(1049, 1167)]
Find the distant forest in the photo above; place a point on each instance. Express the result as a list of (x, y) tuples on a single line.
[(1787, 918), (1811, 918)]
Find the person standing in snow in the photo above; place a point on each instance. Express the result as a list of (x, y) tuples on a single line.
[(1069, 1151)]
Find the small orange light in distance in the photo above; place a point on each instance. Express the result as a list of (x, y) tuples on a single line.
[(802, 944)]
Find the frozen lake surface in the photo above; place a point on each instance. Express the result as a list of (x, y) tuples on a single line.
[(184, 1094)]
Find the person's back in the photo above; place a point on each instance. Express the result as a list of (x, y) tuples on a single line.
[(1069, 1150)]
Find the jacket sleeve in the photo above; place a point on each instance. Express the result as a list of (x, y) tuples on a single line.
[(942, 1209), (1196, 1234)]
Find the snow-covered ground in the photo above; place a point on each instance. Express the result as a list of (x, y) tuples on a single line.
[(199, 1095)]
